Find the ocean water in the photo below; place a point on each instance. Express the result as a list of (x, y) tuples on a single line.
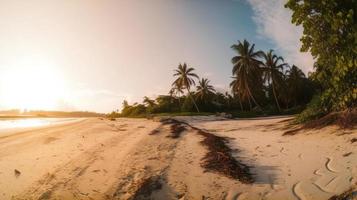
[(13, 124)]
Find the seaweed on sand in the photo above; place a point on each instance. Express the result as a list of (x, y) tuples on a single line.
[(176, 130), (176, 127), (219, 158), (348, 195)]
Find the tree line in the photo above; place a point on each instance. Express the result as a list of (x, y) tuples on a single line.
[(261, 83)]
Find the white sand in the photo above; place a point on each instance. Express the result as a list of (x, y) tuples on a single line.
[(309, 165), (102, 159)]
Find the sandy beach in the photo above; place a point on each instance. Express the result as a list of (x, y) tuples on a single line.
[(98, 158)]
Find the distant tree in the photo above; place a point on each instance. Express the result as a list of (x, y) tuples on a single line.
[(125, 104), (295, 80), (148, 102), (219, 101), (229, 100), (185, 80), (172, 92), (176, 91), (165, 103), (204, 90), (246, 69), (236, 91), (273, 72)]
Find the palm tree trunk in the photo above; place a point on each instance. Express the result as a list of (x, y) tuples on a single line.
[(250, 94), (250, 104), (240, 103), (179, 101), (189, 94), (276, 99)]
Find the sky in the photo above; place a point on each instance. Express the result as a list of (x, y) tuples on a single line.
[(91, 55)]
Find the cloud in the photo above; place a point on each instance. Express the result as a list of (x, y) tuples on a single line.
[(274, 23)]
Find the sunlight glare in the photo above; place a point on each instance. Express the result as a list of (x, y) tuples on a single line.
[(32, 88)]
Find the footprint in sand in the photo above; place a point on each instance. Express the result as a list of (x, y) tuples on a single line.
[(298, 193), (304, 190), (234, 195), (328, 165), (332, 180)]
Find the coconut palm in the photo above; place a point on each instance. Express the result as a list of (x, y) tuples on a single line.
[(246, 68), (148, 102), (204, 89), (172, 92), (176, 91), (295, 78), (236, 91), (185, 80), (273, 72), (229, 99)]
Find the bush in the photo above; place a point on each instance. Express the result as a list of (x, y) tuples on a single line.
[(313, 110), (187, 105)]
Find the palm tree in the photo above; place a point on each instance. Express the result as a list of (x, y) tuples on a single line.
[(204, 89), (235, 85), (185, 79), (246, 68), (148, 102), (229, 99), (176, 92), (295, 79), (172, 92), (273, 72)]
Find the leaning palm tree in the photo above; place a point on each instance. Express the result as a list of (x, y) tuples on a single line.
[(246, 68), (204, 89), (273, 72), (185, 80)]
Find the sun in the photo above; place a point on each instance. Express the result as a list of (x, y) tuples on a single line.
[(32, 88)]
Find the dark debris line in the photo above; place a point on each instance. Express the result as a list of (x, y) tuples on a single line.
[(176, 127), (219, 157)]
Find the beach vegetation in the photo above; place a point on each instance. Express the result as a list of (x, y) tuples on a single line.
[(262, 83), (329, 34)]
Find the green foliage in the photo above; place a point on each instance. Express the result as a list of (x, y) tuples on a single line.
[(246, 71), (187, 105), (205, 91), (185, 79), (261, 83), (134, 110), (165, 104), (330, 34), (264, 79), (314, 110), (273, 72)]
